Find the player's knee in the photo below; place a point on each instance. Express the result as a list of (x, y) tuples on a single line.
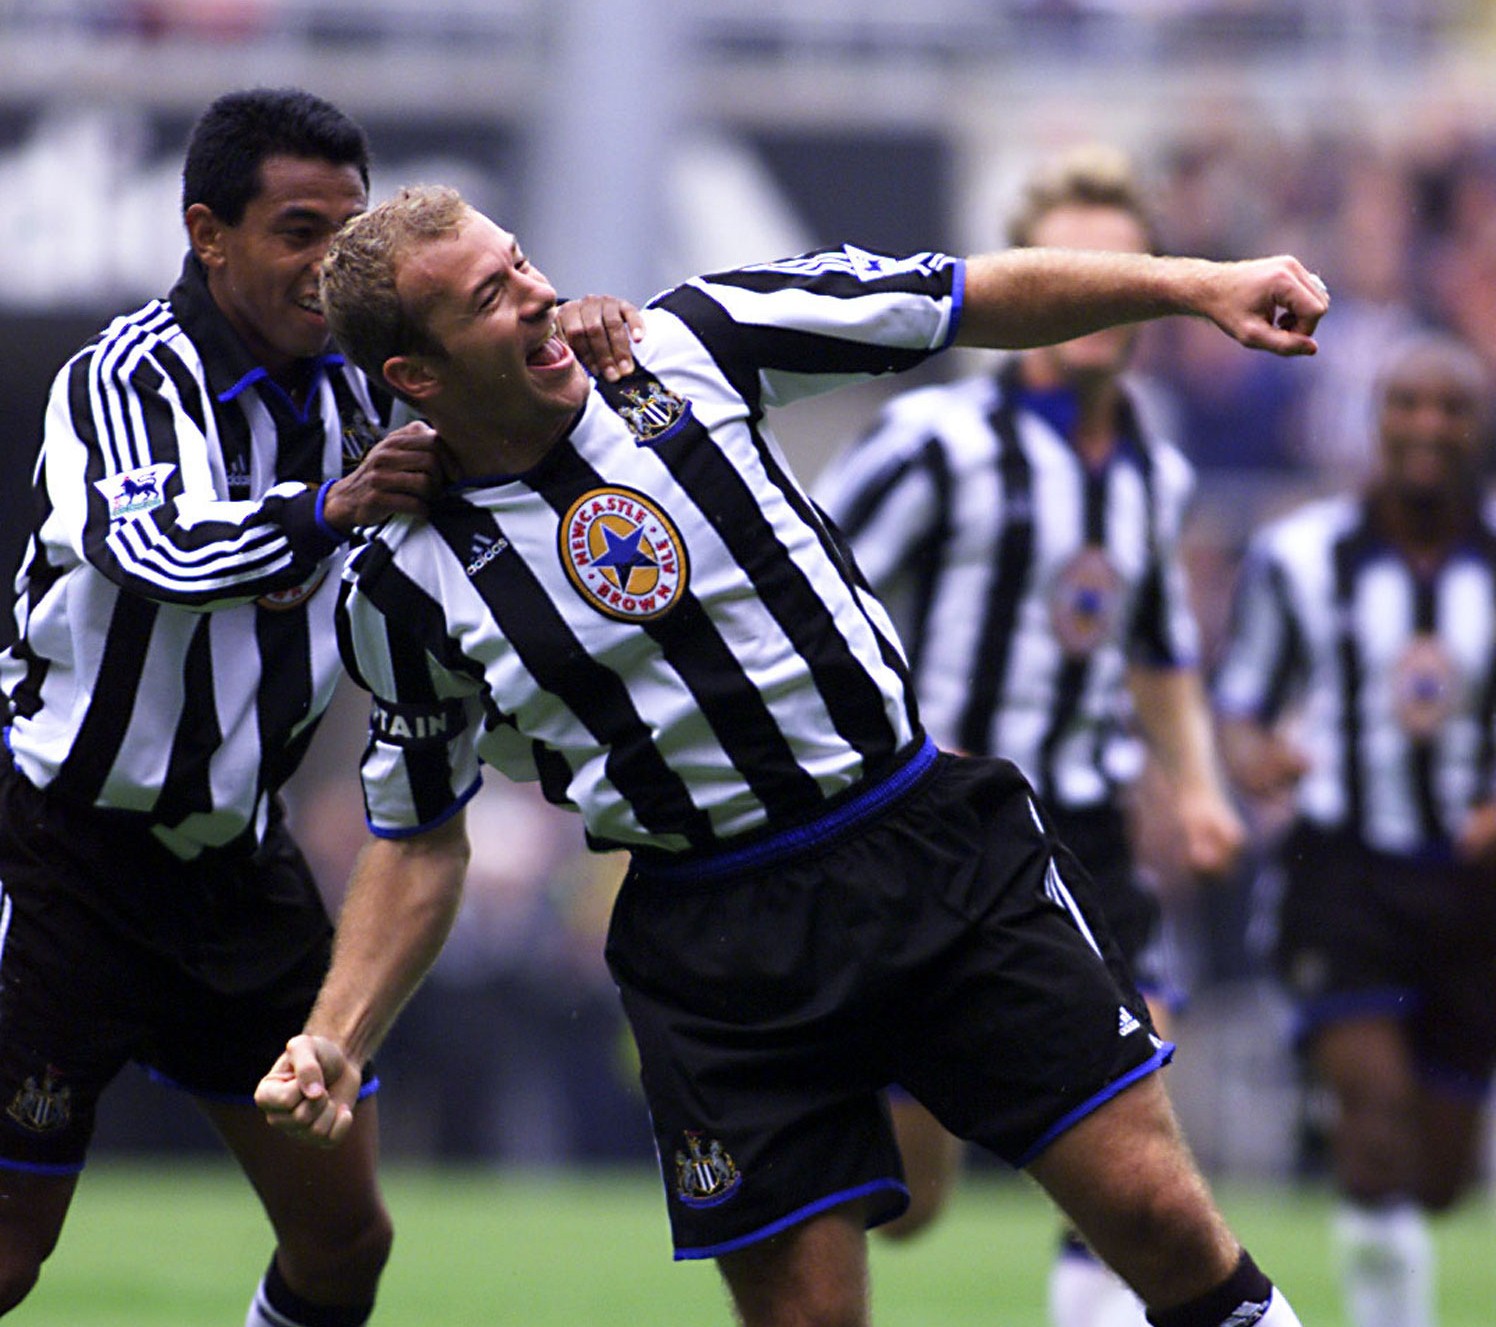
[(1441, 1193), (339, 1262), (1168, 1220), (1373, 1165), (19, 1272), (926, 1203), (369, 1249), (817, 1303)]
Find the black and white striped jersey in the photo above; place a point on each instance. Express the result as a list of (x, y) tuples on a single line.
[(655, 621), (175, 635), (1023, 583), (1389, 676)]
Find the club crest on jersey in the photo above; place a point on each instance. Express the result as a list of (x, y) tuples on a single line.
[(705, 1174), (1425, 687), (133, 491), (623, 554), (650, 410), (44, 1107), (1084, 601)]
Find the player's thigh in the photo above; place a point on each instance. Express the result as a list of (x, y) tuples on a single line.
[(812, 1275), (1367, 1063), (932, 1162), (324, 1203), (1125, 1177)]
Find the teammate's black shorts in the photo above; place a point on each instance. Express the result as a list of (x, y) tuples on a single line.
[(946, 943), (112, 949), (1362, 932)]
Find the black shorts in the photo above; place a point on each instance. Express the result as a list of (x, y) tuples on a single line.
[(112, 949), (1099, 839), (946, 942), (1362, 932)]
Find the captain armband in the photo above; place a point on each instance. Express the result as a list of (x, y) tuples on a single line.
[(412, 727)]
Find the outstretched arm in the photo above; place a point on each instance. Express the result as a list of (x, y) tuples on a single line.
[(399, 908), (1031, 297)]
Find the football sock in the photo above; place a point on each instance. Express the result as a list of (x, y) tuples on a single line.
[(1246, 1298), (1386, 1262), (1085, 1292), (277, 1305)]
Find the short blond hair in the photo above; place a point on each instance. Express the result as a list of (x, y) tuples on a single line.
[(1093, 175), (358, 276)]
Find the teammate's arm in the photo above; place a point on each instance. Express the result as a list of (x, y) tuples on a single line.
[(1174, 715), (601, 330), (130, 468)]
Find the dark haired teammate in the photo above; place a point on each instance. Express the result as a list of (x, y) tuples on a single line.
[(1360, 681), (627, 596), (203, 461)]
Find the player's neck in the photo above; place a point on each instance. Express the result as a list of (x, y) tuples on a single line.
[(480, 449), (1095, 433), (1425, 527)]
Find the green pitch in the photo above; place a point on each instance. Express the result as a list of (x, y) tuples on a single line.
[(182, 1246)]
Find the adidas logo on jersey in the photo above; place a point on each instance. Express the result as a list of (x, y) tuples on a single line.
[(484, 550), (1246, 1313), (1127, 1023)]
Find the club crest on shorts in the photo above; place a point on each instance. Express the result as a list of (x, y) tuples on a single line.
[(44, 1107), (1425, 687), (705, 1174), (623, 554), (1084, 600)]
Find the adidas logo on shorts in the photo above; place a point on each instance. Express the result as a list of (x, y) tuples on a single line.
[(1127, 1023)]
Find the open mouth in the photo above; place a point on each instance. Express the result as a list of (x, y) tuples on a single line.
[(550, 353)]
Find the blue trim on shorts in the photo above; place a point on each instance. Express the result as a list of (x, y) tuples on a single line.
[(776, 848), (43, 1167), (795, 1218), (234, 1098), (1155, 1062), (1459, 1084), (1314, 1014), (1400, 1002)]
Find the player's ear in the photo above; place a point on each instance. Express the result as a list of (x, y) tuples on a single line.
[(205, 234), (411, 376)]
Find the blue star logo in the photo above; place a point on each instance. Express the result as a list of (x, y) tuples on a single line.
[(624, 555)]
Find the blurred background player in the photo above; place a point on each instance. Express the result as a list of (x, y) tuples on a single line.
[(1360, 680), (1023, 526)]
